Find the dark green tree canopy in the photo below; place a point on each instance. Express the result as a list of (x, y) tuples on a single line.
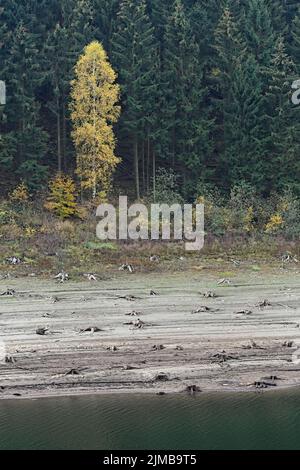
[(206, 90)]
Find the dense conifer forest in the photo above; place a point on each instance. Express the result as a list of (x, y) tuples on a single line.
[(205, 91)]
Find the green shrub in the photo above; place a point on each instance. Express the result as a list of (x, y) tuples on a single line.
[(166, 188)]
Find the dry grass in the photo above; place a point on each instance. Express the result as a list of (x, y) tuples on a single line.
[(47, 245)]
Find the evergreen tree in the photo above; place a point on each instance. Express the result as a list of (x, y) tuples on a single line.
[(159, 14), (245, 126), (242, 107), (291, 7), (295, 43), (284, 148), (258, 30), (134, 54), (185, 115), (183, 66), (229, 45), (230, 48), (71, 32), (5, 154), (278, 15), (204, 16), (105, 12), (27, 141)]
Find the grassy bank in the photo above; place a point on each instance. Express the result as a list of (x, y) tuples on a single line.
[(55, 232), (44, 245)]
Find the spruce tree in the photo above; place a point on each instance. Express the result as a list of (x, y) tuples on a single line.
[(185, 114), (182, 66), (71, 31), (159, 14), (204, 16), (105, 12), (295, 42), (230, 48), (26, 139), (229, 44), (278, 15), (241, 83), (244, 126), (134, 56), (258, 30), (5, 154), (284, 124)]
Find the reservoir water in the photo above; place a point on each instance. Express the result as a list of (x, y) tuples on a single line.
[(214, 421)]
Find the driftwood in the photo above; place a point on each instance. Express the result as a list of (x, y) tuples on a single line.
[(138, 324), (62, 277), (273, 378), (263, 384), (236, 262), (288, 344), (192, 389), (127, 367), (209, 295), (264, 303), (222, 357), (41, 331), (244, 312), (133, 314), (254, 345), (153, 293), (91, 329), (8, 293), (127, 267), (14, 260), (47, 315), (130, 298), (10, 360), (73, 372), (201, 309), (158, 347), (288, 257), (224, 282), (162, 377), (90, 277), (179, 348)]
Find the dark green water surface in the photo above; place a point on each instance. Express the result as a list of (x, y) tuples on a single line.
[(214, 421)]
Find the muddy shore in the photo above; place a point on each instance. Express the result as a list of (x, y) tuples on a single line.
[(246, 332)]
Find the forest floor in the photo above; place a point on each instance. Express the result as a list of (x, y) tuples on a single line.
[(196, 333)]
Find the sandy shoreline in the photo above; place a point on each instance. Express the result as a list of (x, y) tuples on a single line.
[(214, 349)]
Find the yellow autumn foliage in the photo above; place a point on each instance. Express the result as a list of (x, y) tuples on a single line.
[(94, 110), (274, 224), (29, 232), (249, 220), (62, 198), (20, 194)]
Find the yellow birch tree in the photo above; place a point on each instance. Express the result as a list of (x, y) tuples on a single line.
[(94, 110)]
